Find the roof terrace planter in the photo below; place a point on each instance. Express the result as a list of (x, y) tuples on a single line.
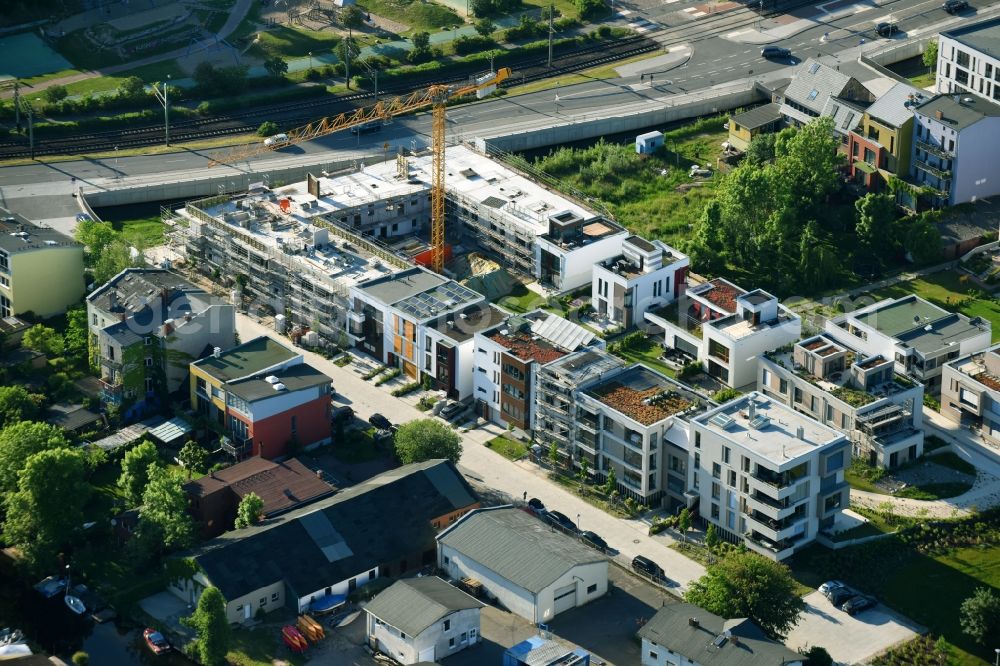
[(853, 397)]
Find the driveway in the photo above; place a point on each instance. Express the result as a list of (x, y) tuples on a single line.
[(849, 640)]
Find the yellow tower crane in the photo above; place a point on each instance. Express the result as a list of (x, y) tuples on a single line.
[(436, 96)]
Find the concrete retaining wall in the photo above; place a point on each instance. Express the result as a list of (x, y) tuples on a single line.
[(590, 127), (881, 59), (837, 545)]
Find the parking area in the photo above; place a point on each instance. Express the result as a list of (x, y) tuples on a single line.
[(848, 639)]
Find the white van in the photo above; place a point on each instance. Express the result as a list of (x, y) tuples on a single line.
[(276, 140)]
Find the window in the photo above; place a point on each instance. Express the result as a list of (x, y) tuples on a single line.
[(465, 637), (653, 655), (263, 601), (274, 596), (94, 320), (148, 340), (149, 362), (149, 384), (797, 394), (831, 503), (765, 378), (447, 625), (782, 386), (962, 59), (716, 470), (715, 511), (496, 358), (697, 440), (451, 642), (591, 589), (732, 478), (295, 428), (835, 462), (239, 609), (716, 491), (725, 454)]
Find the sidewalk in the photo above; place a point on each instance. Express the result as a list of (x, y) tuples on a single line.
[(481, 464)]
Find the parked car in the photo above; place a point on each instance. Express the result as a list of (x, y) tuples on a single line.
[(380, 422), (592, 539), (559, 519), (368, 127), (830, 585), (955, 6), (858, 603), (775, 52), (343, 414), (276, 140), (536, 505), (839, 595), (155, 641), (646, 566), (84, 217), (452, 411), (886, 29)]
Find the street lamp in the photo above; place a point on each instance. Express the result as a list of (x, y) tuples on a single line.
[(163, 97), (310, 60), (578, 527), (997, 650), (117, 172)]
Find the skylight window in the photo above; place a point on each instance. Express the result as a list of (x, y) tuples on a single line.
[(812, 94)]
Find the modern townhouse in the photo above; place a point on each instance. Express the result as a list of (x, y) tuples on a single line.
[(725, 328), (818, 90), (860, 395), (970, 392), (507, 360), (879, 148), (969, 60), (768, 476), (41, 270), (264, 397), (954, 148), (634, 421), (647, 274), (918, 336), (146, 326)]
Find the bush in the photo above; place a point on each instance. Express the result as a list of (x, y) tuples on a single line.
[(80, 658), (690, 370), (389, 376), (406, 388), (589, 9), (267, 128), (467, 44)]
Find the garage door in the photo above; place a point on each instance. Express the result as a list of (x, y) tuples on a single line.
[(565, 598), (426, 655)]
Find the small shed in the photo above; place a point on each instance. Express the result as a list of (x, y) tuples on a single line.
[(648, 143), (172, 432)]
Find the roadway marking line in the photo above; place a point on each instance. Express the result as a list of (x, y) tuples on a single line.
[(689, 9), (736, 34)]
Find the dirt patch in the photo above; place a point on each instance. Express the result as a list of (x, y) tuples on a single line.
[(924, 473), (389, 25)]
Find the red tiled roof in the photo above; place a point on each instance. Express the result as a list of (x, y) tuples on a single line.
[(723, 294), (281, 485), (629, 402), (522, 346)]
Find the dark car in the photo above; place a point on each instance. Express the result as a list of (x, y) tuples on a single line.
[(592, 539), (775, 52), (886, 29), (373, 126), (380, 422), (839, 595), (343, 414), (646, 566), (536, 505), (858, 603), (954, 6), (559, 519), (452, 411)]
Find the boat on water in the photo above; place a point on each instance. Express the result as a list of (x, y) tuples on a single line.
[(75, 604)]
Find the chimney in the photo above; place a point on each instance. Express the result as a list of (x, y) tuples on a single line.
[(693, 622), (800, 432), (939, 114), (217, 352), (751, 410), (112, 299)]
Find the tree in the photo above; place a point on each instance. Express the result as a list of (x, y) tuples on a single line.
[(132, 88), (426, 439), (249, 511), (351, 17), (194, 457), (20, 441), (45, 513), (80, 658), (923, 240), (267, 128), (554, 454), (684, 522), (745, 584), (817, 258), (876, 214), (55, 94), (711, 537), (485, 27), (164, 509), (135, 471), (75, 337), (588, 9), (816, 656), (725, 395), (421, 41), (16, 405), (979, 615), (275, 66), (211, 627), (95, 236), (43, 339), (481, 7), (761, 149), (115, 258), (584, 470), (930, 56)]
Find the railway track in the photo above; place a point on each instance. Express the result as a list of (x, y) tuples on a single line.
[(292, 113)]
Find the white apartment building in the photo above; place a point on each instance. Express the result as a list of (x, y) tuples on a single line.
[(726, 328), (635, 421), (969, 60), (768, 476), (918, 336), (970, 392), (862, 396), (647, 274)]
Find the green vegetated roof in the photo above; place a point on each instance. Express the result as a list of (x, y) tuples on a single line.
[(246, 359), (901, 316)]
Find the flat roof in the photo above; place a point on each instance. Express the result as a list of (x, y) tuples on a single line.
[(19, 234), (894, 317), (758, 117), (248, 358), (390, 289), (958, 111), (478, 317), (975, 367), (644, 395), (983, 36), (526, 346), (772, 434), (585, 364), (719, 292), (295, 378)]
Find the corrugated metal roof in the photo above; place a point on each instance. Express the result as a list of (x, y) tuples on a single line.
[(413, 604), (518, 547), (173, 429)]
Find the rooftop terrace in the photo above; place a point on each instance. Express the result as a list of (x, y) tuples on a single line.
[(643, 395), (720, 293), (526, 346)]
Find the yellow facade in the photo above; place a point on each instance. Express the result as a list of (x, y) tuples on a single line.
[(210, 384), (896, 142), (45, 281), (739, 136)]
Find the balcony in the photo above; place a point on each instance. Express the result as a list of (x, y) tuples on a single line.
[(111, 393), (768, 506), (778, 488), (937, 151), (776, 530), (941, 174), (236, 446), (766, 547)]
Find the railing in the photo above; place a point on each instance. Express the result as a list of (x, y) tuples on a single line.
[(935, 150), (237, 446), (934, 171)]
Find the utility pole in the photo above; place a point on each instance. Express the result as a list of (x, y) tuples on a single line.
[(31, 130), (551, 12), (17, 105), (163, 97)]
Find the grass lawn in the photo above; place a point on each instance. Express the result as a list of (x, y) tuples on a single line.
[(288, 42), (859, 482), (418, 15), (949, 290), (935, 491), (602, 72), (357, 446), (41, 78), (149, 74), (522, 299), (587, 493), (563, 7), (260, 648), (648, 353), (508, 448), (951, 460), (142, 233)]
